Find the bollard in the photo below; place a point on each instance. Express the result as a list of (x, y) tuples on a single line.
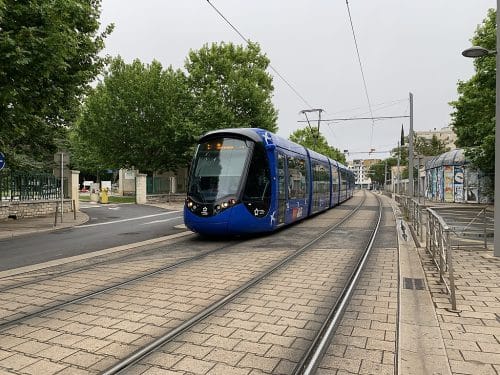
[(55, 217), (74, 209), (484, 223)]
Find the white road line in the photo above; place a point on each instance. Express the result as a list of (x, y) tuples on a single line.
[(161, 221), (124, 220)]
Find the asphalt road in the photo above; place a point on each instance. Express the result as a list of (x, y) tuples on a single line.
[(109, 226)]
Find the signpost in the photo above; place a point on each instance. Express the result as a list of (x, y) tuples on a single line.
[(2, 161), (62, 158)]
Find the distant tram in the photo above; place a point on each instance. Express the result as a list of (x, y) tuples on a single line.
[(250, 180)]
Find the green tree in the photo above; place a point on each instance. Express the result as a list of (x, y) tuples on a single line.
[(49, 53), (230, 87), (429, 147), (377, 170), (137, 117), (473, 118), (312, 139)]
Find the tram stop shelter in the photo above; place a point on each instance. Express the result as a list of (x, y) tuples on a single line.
[(451, 178)]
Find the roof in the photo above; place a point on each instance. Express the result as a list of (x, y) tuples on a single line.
[(453, 157)]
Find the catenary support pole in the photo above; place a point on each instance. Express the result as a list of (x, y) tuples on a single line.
[(496, 237), (410, 150)]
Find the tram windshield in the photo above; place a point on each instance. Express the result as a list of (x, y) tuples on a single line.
[(218, 168)]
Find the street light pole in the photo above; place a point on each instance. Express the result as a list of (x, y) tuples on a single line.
[(410, 150), (479, 52), (496, 219)]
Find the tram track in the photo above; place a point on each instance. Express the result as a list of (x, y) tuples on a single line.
[(87, 296), (51, 272), (310, 362), (129, 361), (77, 310), (114, 286)]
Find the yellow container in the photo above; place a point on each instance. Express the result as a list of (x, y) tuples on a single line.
[(104, 196)]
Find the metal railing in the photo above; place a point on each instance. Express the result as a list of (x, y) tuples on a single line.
[(24, 186), (413, 213), (438, 245), (445, 228)]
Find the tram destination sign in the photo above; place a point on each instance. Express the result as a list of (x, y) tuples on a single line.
[(2, 161)]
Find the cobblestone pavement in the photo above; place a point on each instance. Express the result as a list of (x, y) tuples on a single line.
[(265, 330), (90, 336), (471, 337), (365, 342), (269, 327)]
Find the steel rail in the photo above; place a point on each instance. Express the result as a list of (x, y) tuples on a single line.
[(110, 288), (52, 275), (312, 358), (136, 356)]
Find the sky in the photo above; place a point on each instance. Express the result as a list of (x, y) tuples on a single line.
[(405, 46)]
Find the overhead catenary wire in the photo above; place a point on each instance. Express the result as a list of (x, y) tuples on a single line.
[(361, 68), (270, 65)]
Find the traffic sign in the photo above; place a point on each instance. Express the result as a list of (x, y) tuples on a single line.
[(64, 155), (2, 161)]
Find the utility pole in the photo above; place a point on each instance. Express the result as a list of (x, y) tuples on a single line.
[(410, 151), (398, 175), (385, 175), (496, 208), (315, 135)]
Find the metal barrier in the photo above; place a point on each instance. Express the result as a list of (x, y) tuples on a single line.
[(413, 213), (438, 245), (23, 186)]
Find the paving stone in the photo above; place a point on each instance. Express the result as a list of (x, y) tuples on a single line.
[(224, 369), (253, 361), (17, 361), (228, 357), (45, 367), (56, 353), (193, 365)]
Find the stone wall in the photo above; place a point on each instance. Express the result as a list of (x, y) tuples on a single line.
[(25, 209), (162, 198)]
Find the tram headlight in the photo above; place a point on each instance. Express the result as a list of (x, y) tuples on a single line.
[(189, 204), (224, 204)]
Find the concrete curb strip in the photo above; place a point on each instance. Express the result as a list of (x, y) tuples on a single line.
[(57, 262)]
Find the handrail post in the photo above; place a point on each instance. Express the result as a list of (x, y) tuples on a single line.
[(442, 251), (449, 262)]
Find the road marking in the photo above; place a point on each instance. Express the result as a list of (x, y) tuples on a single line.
[(57, 262), (124, 220), (161, 221)]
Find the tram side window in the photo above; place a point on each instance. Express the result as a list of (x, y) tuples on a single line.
[(281, 176), (321, 179), (258, 185), (297, 174), (335, 179), (343, 176)]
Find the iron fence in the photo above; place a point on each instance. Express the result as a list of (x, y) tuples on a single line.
[(438, 245), (24, 186)]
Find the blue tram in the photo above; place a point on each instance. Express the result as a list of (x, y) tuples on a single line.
[(250, 181)]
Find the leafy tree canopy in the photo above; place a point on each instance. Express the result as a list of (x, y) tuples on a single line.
[(473, 118), (48, 56), (313, 140), (230, 87), (377, 170), (139, 116)]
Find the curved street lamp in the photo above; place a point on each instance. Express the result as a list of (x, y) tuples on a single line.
[(477, 51)]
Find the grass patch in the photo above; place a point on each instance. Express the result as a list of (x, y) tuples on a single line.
[(111, 199)]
